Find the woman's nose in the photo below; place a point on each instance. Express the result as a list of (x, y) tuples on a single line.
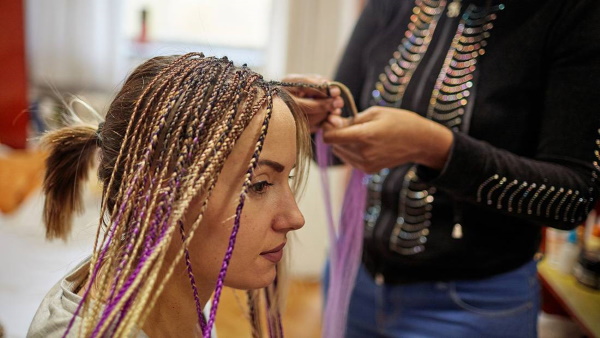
[(290, 217)]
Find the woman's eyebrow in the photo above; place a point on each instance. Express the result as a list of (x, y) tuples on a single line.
[(278, 167)]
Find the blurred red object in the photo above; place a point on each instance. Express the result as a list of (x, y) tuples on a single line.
[(14, 118)]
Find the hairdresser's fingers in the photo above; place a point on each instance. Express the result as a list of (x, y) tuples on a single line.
[(357, 157), (347, 135), (326, 125), (337, 103), (350, 157), (315, 122), (335, 121), (335, 92), (347, 152), (366, 116), (317, 106)]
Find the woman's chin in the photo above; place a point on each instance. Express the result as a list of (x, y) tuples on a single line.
[(252, 281)]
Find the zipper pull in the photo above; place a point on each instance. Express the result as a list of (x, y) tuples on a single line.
[(454, 9), (457, 231)]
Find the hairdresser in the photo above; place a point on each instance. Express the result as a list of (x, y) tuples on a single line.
[(479, 126)]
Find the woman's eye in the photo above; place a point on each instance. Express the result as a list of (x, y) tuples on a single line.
[(260, 187)]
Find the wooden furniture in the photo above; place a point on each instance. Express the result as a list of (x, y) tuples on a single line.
[(301, 317), (579, 302)]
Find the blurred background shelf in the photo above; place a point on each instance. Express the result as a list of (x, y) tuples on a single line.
[(581, 303)]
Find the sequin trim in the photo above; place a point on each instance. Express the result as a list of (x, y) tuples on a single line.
[(392, 83), (374, 187), (453, 85), (410, 232), (557, 203)]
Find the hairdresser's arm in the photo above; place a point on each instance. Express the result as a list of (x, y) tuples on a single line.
[(382, 137)]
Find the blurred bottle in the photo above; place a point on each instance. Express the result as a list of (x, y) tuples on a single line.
[(555, 239), (569, 252), (587, 268), (143, 37)]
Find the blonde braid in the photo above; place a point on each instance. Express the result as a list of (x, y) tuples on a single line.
[(126, 140), (252, 110), (157, 268), (174, 145)]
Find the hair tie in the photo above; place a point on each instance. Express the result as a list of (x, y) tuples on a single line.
[(99, 133)]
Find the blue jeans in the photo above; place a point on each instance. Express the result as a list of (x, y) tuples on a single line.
[(504, 305)]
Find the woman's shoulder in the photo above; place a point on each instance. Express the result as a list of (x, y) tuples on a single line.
[(58, 306)]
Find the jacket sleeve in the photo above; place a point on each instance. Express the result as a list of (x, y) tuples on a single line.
[(559, 185)]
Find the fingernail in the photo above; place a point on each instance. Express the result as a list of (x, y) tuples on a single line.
[(338, 102), (335, 120)]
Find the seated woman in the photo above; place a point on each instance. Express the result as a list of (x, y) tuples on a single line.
[(195, 157)]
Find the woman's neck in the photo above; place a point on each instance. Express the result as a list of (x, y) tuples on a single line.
[(174, 313)]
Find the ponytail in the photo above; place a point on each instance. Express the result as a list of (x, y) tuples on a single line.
[(71, 155)]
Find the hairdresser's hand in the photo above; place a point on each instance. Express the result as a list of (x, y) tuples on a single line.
[(315, 103), (382, 137)]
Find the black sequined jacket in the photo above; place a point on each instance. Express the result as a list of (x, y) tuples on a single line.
[(517, 82)]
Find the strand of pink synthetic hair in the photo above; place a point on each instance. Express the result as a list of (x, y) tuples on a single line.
[(345, 243)]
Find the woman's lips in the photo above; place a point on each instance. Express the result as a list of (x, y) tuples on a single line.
[(275, 254)]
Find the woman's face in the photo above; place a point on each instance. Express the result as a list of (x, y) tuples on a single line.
[(270, 210)]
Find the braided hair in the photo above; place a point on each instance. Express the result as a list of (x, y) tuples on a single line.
[(164, 142)]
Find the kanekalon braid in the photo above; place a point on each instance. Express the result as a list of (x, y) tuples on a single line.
[(97, 255), (139, 215), (323, 87), (253, 299), (144, 296), (193, 125), (187, 157), (236, 223), (110, 306), (201, 183), (273, 321), (181, 95)]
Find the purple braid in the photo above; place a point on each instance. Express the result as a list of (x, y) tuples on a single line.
[(201, 319)]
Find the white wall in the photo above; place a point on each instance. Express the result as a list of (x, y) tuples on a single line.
[(316, 33)]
